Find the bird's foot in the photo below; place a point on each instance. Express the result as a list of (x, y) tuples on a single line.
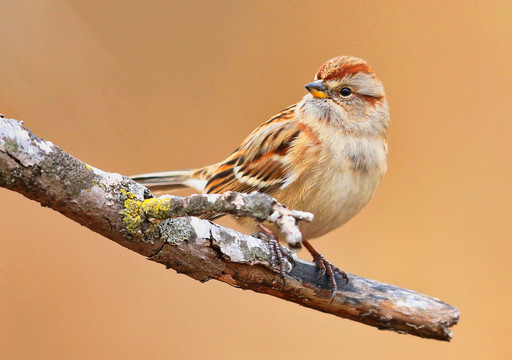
[(278, 254), (326, 268)]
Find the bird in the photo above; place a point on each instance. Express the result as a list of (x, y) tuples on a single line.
[(326, 154)]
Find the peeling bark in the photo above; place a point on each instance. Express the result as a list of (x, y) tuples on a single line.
[(127, 213)]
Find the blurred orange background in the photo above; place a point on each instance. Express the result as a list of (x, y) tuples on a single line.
[(131, 86)]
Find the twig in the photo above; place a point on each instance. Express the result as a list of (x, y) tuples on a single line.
[(124, 211), (258, 206)]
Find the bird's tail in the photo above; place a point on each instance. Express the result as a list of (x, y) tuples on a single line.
[(170, 180)]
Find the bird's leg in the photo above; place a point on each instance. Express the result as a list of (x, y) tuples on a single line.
[(326, 267), (277, 252)]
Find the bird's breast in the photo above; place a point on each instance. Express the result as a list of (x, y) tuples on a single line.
[(342, 182)]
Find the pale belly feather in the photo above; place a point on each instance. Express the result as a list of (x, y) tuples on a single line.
[(337, 188)]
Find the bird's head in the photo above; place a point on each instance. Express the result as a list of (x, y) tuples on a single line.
[(345, 91)]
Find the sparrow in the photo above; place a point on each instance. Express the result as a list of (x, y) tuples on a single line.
[(325, 154)]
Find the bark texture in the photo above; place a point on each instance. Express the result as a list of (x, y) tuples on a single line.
[(162, 230)]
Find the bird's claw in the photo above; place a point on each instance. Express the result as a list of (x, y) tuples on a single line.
[(326, 268), (331, 270), (278, 254)]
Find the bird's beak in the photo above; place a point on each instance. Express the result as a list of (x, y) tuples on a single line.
[(317, 89)]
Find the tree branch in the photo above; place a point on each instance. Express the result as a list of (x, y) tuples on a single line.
[(127, 213)]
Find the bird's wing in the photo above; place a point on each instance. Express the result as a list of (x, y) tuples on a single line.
[(259, 163)]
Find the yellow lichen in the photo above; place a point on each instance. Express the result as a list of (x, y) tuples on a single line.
[(156, 208), (132, 212)]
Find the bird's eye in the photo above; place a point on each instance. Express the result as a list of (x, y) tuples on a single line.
[(345, 92)]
